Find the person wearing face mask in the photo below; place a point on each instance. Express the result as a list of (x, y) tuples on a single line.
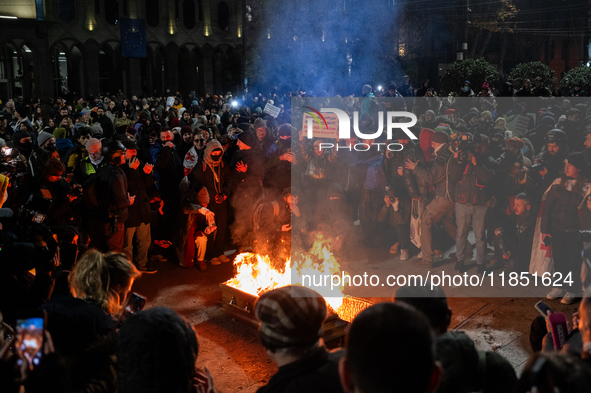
[(247, 177), (51, 182), (281, 159), (23, 141), (213, 173)]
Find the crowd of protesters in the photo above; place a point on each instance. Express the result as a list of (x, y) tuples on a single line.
[(94, 190)]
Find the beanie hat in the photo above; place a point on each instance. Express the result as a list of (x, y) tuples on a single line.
[(514, 144), (59, 133), (130, 130), (284, 130), (248, 138), (129, 144), (93, 145), (443, 127), (202, 197), (440, 137), (577, 160), (43, 137), (185, 130), (449, 112), (258, 123), (366, 89), (290, 317), (430, 112)]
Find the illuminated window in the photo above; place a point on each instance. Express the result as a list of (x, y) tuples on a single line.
[(152, 13), (39, 9), (112, 11), (223, 16), (66, 10), (189, 14)]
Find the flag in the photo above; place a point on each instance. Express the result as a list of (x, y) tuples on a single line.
[(541, 256), (133, 38), (190, 160)]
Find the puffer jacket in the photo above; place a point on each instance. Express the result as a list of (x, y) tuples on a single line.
[(561, 209), (472, 187)]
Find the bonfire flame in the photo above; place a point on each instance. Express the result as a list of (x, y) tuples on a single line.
[(257, 274)]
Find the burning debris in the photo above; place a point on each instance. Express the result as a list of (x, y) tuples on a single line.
[(257, 274)]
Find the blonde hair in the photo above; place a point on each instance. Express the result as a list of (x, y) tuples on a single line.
[(96, 277)]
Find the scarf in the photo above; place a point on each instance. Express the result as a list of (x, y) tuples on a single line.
[(97, 162)]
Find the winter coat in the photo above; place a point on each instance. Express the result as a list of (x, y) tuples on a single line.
[(444, 174), (472, 187), (137, 184), (396, 218), (167, 169), (561, 209)]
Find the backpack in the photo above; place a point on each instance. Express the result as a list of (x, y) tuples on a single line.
[(96, 184)]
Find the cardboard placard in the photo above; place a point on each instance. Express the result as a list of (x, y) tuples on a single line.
[(169, 101), (321, 130), (272, 110)]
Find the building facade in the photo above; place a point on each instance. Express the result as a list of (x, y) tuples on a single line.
[(51, 48)]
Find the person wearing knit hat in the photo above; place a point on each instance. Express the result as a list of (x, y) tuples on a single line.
[(440, 137), (45, 139), (444, 127), (291, 325), (561, 223), (430, 121), (213, 173), (59, 133), (246, 140)]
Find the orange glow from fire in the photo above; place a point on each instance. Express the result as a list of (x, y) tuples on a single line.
[(257, 274)]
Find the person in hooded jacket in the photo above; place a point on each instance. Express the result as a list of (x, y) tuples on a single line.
[(571, 128), (247, 173), (424, 87), (537, 134), (264, 137), (186, 142), (280, 160), (213, 173)]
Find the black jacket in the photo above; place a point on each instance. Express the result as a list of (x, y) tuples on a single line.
[(316, 373), (561, 209), (473, 185), (137, 184)]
